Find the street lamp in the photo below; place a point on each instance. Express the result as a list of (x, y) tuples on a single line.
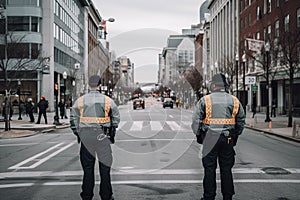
[(236, 73), (65, 75), (19, 93), (267, 49), (103, 25), (244, 85)]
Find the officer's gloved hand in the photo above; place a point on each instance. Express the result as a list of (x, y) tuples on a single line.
[(77, 135), (235, 139), (112, 134), (199, 139)]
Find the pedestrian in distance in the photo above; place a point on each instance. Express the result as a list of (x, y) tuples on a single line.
[(218, 120), (62, 108), (30, 109), (94, 119), (273, 110), (42, 106), (253, 109)]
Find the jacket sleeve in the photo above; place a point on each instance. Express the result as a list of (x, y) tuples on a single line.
[(198, 115), (115, 115), (240, 120), (74, 118)]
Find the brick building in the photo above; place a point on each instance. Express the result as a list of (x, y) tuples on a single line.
[(270, 21)]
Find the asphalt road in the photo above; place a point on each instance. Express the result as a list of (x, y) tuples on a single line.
[(155, 157)]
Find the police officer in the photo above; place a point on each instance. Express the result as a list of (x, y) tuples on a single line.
[(94, 119), (218, 120)]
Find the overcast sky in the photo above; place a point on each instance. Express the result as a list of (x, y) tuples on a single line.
[(141, 29)]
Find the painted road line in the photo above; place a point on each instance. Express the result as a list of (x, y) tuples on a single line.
[(137, 126), (134, 182), (16, 185), (171, 116), (20, 165), (156, 125), (129, 170), (121, 124), (147, 140), (19, 144), (173, 125)]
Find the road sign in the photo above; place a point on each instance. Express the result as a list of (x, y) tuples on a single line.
[(254, 87), (250, 80)]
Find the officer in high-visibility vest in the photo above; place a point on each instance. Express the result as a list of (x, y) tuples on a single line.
[(218, 120), (94, 119)]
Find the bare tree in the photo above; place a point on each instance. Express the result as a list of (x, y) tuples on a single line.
[(229, 70), (15, 57), (289, 56)]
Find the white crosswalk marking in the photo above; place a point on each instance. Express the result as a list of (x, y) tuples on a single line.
[(137, 126), (173, 125), (156, 125)]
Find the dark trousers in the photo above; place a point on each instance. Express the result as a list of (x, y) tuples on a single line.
[(224, 153), (31, 117), (40, 115), (87, 160), (273, 111)]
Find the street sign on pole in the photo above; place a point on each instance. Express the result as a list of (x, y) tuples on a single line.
[(250, 80)]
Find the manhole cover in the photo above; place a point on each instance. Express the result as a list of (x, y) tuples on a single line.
[(275, 170)]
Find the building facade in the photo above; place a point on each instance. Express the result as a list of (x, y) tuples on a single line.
[(270, 22)]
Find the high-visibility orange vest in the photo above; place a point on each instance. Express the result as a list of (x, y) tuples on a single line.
[(210, 120), (98, 120)]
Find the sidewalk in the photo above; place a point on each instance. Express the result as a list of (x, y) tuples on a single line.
[(278, 126), (24, 128)]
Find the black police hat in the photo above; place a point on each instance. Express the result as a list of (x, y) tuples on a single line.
[(219, 80), (94, 81)]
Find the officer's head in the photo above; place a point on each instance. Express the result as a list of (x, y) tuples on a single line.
[(94, 81), (218, 83)]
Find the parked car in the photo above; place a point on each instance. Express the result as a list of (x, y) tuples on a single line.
[(138, 103), (168, 102)]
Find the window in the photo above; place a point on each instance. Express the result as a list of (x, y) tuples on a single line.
[(276, 28), (24, 2), (34, 24), (298, 17), (269, 32), (18, 24), (267, 6), (18, 50), (277, 3), (286, 23), (249, 19), (34, 51), (258, 13), (2, 51), (257, 35)]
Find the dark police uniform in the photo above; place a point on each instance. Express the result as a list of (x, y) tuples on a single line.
[(218, 120), (92, 116)]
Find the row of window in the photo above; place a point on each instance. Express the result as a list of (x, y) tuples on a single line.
[(20, 50), (63, 58), (23, 2), (66, 39), (25, 23), (64, 16), (71, 4), (267, 5), (247, 22)]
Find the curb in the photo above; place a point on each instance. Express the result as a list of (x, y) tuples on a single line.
[(274, 134)]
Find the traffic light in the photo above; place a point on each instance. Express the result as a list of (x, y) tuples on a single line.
[(56, 89)]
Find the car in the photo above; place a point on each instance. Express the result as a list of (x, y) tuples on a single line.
[(138, 103), (168, 102)]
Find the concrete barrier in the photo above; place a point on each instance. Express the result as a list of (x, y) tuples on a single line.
[(296, 125)]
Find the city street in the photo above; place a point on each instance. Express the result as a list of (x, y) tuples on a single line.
[(155, 157)]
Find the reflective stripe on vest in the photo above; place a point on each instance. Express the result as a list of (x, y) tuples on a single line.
[(209, 120), (101, 120)]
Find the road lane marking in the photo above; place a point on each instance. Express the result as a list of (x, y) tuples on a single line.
[(137, 126), (133, 182), (173, 125), (156, 125), (19, 144), (121, 124), (171, 116), (20, 165), (16, 185), (129, 170)]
